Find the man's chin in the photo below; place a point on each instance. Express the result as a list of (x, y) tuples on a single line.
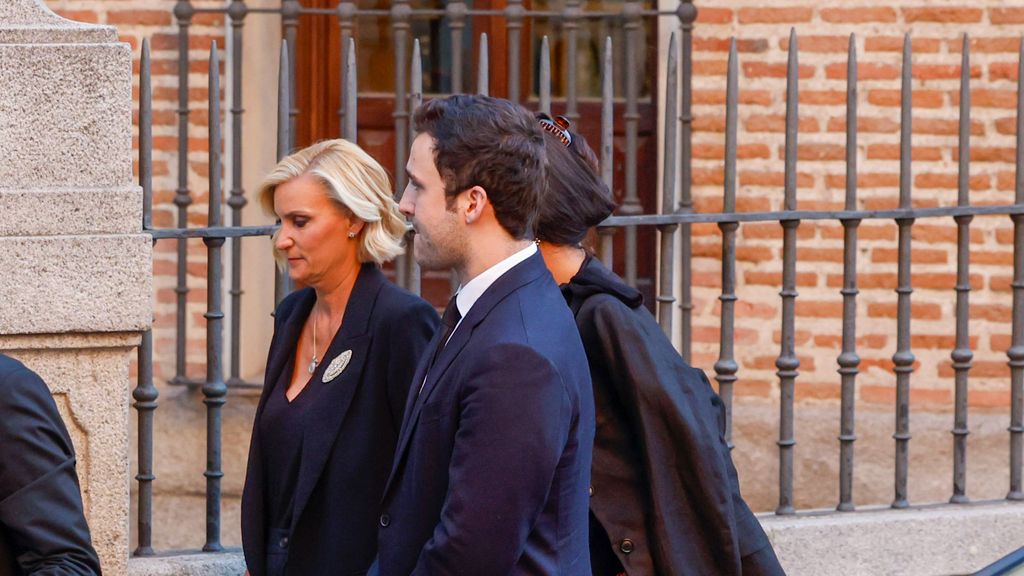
[(430, 262), (423, 259)]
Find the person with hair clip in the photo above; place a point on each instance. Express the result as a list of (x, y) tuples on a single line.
[(338, 371), (664, 496)]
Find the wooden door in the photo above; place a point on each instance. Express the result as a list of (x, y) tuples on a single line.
[(318, 92)]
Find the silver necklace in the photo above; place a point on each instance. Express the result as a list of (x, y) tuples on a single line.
[(314, 362)]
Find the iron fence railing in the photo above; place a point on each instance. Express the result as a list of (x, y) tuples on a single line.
[(400, 15), (407, 95), (673, 221)]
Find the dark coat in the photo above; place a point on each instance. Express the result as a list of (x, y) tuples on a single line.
[(493, 463), (664, 486), (350, 436), (42, 526)]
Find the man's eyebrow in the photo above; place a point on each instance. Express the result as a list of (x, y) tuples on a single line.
[(411, 177)]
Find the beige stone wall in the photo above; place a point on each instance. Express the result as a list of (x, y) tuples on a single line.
[(78, 289), (180, 419)]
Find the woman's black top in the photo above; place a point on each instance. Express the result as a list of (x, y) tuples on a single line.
[(281, 427), (665, 494)]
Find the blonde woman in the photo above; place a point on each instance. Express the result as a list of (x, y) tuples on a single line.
[(338, 371)]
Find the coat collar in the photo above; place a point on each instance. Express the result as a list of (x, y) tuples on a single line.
[(520, 275), (355, 322), (594, 278)]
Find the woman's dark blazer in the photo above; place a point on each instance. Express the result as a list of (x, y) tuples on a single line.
[(663, 485), (351, 431)]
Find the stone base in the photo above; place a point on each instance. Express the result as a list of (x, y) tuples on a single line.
[(946, 539), (189, 564), (932, 541)]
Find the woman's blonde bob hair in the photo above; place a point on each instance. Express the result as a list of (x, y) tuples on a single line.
[(359, 185)]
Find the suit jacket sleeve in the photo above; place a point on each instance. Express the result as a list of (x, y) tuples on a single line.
[(40, 500), (674, 415), (513, 427), (409, 334)]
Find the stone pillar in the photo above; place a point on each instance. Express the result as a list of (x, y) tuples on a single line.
[(76, 286)]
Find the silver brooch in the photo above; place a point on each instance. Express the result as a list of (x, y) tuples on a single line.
[(337, 366)]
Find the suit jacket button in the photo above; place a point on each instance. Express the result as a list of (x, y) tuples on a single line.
[(283, 543), (591, 491), (626, 546), (385, 520)]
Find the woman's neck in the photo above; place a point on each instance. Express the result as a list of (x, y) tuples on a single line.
[(563, 260), (332, 297)]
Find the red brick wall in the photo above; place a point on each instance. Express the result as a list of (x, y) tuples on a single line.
[(823, 28)]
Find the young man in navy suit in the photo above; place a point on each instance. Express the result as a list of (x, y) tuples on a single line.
[(492, 469)]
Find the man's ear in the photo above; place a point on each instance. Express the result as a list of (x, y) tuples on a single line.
[(476, 203)]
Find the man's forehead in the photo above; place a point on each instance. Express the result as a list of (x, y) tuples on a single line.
[(424, 142), (422, 155)]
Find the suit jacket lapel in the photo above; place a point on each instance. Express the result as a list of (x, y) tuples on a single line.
[(334, 398), (417, 381), (450, 352), (287, 339), (418, 395), (522, 273)]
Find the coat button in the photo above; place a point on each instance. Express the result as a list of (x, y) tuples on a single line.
[(283, 543), (591, 491), (626, 546), (385, 520)]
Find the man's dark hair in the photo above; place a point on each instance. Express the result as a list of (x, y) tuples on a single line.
[(576, 199), (491, 143)]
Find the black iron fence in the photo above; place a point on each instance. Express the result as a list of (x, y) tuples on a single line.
[(672, 224)]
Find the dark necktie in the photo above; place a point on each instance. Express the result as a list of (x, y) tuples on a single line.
[(449, 321)]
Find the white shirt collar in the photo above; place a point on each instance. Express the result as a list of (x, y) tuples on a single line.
[(475, 288)]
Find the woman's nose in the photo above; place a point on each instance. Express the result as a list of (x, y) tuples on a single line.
[(283, 241)]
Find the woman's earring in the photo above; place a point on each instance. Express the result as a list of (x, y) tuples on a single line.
[(351, 234)]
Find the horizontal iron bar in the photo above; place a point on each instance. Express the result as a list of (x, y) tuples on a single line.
[(236, 383), (663, 219), (212, 232), (429, 12), (698, 218)]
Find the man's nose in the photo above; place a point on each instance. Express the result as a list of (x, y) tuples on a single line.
[(405, 205)]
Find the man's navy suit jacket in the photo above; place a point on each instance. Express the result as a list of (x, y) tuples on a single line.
[(492, 468)]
